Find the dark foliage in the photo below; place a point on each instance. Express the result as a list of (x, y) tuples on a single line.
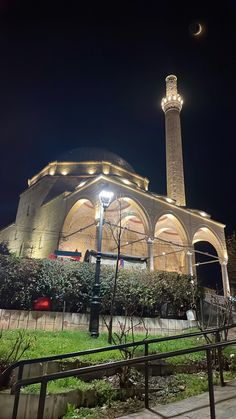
[(4, 248), (231, 247), (138, 292)]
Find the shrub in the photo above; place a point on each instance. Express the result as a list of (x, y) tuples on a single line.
[(139, 292), (82, 413), (105, 392), (18, 282)]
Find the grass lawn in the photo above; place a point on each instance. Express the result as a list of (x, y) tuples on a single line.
[(53, 343)]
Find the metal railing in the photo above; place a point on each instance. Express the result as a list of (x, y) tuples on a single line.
[(145, 343), (44, 379)]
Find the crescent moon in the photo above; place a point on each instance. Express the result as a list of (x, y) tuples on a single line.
[(199, 30)]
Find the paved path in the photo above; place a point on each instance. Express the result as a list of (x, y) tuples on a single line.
[(196, 407)]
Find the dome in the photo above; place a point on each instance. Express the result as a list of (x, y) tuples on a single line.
[(94, 154)]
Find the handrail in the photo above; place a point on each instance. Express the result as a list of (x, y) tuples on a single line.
[(108, 365), (43, 380), (50, 358)]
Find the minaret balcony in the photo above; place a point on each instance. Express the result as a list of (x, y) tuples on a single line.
[(172, 102)]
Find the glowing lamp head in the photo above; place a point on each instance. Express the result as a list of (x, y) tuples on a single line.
[(105, 198)]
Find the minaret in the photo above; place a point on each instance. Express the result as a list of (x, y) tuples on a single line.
[(172, 105)]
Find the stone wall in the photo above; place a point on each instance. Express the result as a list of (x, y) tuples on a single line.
[(56, 321), (55, 404)]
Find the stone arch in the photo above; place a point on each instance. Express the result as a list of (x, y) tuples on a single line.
[(74, 235), (170, 244), (141, 210), (204, 233), (218, 271), (135, 226)]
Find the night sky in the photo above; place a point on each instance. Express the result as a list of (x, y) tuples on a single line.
[(94, 75)]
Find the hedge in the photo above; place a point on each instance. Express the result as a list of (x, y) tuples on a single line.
[(139, 292)]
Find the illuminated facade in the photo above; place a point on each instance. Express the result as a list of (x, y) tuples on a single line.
[(60, 208)]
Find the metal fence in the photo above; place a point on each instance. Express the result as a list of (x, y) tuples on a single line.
[(20, 364), (146, 359)]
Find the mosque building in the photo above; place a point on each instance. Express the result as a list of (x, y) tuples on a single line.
[(60, 208)]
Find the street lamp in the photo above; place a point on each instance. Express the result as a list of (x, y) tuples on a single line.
[(105, 198)]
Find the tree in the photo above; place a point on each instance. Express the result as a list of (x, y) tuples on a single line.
[(126, 334), (231, 247), (116, 234)]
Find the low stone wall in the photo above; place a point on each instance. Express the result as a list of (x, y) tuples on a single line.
[(55, 404), (55, 321), (45, 368)]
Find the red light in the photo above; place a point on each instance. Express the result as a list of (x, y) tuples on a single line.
[(43, 303), (52, 256)]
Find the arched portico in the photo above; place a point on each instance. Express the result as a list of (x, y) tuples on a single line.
[(170, 244), (123, 216), (79, 229), (205, 234), (125, 221)]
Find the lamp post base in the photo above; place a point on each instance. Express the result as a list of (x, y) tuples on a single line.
[(94, 318), (94, 313)]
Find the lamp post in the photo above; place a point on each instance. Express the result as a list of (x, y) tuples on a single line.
[(105, 198)]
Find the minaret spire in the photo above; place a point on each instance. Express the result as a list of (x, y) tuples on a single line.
[(172, 105)]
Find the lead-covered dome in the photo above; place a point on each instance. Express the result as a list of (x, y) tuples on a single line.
[(94, 154), (77, 166)]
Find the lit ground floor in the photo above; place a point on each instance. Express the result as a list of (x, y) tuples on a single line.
[(143, 224)]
